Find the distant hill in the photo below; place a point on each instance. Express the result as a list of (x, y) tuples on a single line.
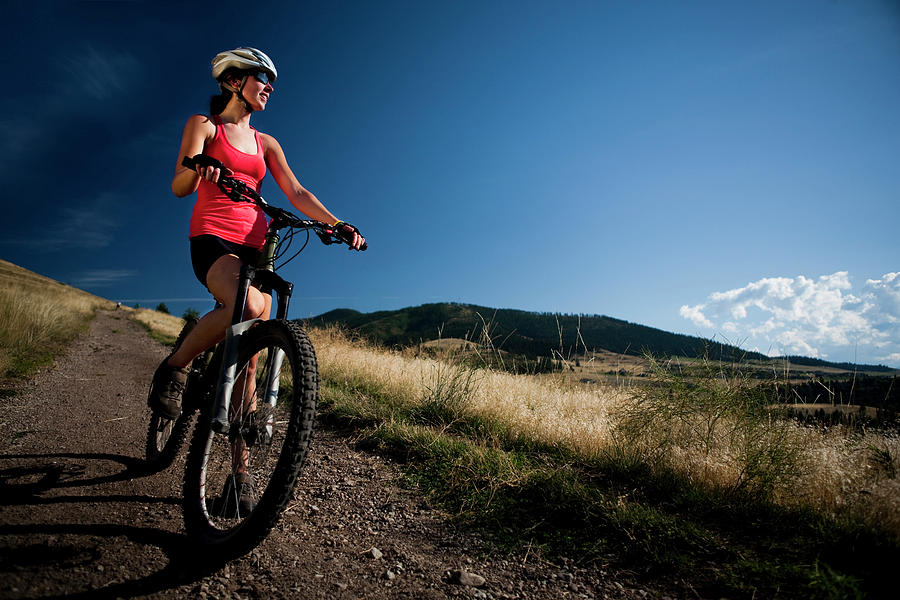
[(527, 333), (541, 334)]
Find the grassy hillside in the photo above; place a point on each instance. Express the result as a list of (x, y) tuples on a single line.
[(543, 334), (38, 316), (521, 332)]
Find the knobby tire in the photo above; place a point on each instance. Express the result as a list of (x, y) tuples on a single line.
[(213, 512)]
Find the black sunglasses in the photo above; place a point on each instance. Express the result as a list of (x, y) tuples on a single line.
[(263, 77)]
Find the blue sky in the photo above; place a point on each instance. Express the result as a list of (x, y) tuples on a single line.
[(722, 169)]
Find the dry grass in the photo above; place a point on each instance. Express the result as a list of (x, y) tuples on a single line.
[(39, 315), (851, 472), (166, 326), (535, 408), (832, 469)]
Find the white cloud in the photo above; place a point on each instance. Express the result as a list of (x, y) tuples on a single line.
[(693, 313), (813, 317), (98, 278)]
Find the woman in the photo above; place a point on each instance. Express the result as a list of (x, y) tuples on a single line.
[(226, 234)]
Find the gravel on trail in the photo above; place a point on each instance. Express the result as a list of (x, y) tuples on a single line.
[(79, 518)]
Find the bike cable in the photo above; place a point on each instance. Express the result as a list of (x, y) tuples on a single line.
[(285, 245)]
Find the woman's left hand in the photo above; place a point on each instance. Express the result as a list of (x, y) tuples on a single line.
[(351, 235)]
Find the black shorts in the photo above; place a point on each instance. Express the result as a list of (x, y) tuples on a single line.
[(207, 249)]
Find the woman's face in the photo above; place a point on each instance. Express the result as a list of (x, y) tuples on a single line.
[(256, 92)]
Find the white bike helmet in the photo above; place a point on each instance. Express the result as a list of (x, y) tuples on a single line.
[(242, 59), (245, 59)]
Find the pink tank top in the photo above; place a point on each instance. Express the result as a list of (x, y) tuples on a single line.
[(239, 222)]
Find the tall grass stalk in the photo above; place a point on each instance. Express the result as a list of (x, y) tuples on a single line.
[(712, 424)]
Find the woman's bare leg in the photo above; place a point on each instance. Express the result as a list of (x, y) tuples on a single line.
[(222, 281)]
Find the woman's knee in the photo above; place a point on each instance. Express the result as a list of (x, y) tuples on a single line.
[(222, 278), (222, 281), (257, 306)]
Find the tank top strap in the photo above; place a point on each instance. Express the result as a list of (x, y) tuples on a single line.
[(220, 127)]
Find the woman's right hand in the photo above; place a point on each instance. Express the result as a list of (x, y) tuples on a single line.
[(207, 167), (212, 174)]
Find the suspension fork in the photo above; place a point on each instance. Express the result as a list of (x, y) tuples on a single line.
[(269, 282), (228, 372), (282, 290)]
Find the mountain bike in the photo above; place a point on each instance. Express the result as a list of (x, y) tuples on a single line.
[(256, 393)]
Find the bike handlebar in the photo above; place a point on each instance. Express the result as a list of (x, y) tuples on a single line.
[(238, 191)]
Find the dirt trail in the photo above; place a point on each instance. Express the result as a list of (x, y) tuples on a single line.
[(78, 518)]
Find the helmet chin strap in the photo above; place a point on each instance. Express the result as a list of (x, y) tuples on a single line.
[(239, 92), (241, 95)]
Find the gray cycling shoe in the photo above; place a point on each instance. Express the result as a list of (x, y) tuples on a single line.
[(166, 390), (238, 497)]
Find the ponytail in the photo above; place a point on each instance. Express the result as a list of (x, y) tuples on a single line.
[(218, 103)]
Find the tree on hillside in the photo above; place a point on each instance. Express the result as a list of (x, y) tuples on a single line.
[(163, 308), (191, 313)]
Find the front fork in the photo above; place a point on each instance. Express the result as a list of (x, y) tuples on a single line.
[(228, 374), (273, 382)]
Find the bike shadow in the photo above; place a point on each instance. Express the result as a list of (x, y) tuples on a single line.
[(86, 556), (182, 566), (36, 474)]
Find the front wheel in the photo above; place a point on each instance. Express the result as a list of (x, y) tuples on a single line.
[(237, 484)]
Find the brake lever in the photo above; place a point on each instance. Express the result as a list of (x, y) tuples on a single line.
[(327, 237)]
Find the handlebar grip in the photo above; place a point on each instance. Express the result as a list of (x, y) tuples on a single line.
[(202, 160), (335, 232)]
